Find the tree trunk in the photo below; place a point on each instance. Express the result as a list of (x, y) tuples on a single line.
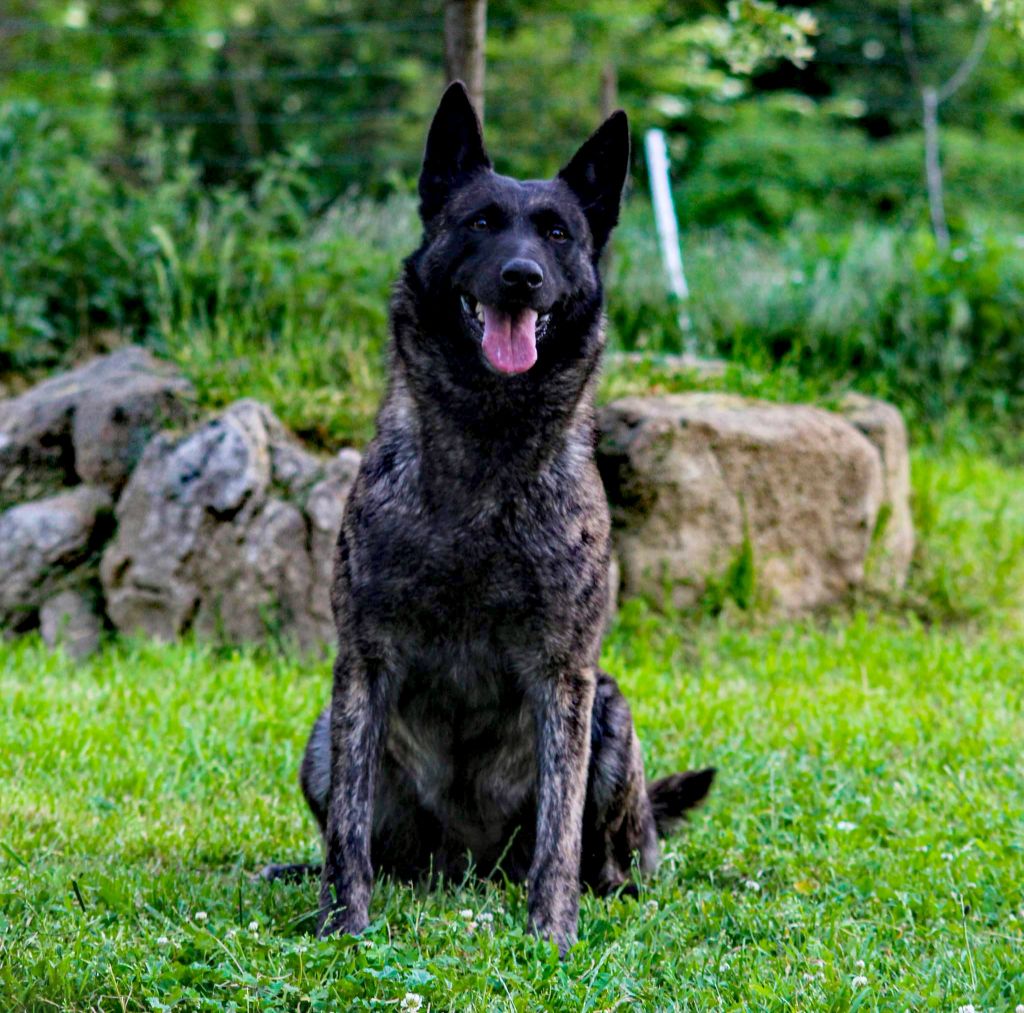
[(465, 32), (933, 167), (609, 89)]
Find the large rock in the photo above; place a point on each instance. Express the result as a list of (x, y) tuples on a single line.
[(47, 546), (883, 425), (72, 620), (691, 476), (229, 531), (89, 425)]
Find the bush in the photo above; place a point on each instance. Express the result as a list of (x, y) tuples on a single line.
[(772, 164), (879, 308), (82, 251)]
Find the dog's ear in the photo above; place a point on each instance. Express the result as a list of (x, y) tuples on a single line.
[(455, 150), (597, 174)]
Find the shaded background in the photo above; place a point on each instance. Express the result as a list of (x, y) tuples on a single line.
[(233, 182)]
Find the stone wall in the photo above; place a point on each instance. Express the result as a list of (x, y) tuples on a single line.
[(119, 509)]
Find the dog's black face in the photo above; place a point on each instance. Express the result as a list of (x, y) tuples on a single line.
[(506, 277)]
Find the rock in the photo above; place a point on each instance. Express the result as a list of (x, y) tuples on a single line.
[(71, 620), (46, 546), (89, 425), (883, 425), (690, 475), (230, 531), (325, 508)]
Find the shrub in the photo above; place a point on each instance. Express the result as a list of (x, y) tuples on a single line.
[(771, 165)]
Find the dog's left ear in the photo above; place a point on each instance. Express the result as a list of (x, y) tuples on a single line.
[(597, 174), (455, 149)]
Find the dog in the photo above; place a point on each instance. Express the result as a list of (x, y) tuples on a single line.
[(470, 726)]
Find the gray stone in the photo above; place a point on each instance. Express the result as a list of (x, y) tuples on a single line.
[(46, 546), (324, 509), (691, 476), (89, 425), (883, 425), (230, 531), (71, 620)]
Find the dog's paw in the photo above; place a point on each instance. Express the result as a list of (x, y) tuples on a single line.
[(342, 921), (564, 937)]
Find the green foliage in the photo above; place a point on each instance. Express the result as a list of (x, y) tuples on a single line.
[(82, 252), (275, 294), (786, 157), (353, 84), (809, 313), (868, 809)]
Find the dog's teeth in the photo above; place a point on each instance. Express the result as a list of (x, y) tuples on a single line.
[(479, 313)]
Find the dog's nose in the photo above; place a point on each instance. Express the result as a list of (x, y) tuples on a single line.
[(522, 273)]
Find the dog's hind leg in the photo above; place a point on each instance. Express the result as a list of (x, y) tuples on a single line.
[(315, 779), (618, 821), (293, 873), (624, 816)]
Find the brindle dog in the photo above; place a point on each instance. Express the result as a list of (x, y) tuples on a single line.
[(469, 721)]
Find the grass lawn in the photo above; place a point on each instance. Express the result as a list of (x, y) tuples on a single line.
[(862, 849)]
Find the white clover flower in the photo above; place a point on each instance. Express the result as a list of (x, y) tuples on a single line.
[(816, 962), (466, 913), (254, 927), (470, 928), (966, 1009), (651, 907), (412, 1001), (859, 981), (163, 941), (846, 826), (1019, 1008), (76, 16), (752, 884), (859, 965), (485, 918), (201, 916)]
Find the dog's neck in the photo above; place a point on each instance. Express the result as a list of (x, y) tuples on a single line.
[(479, 440)]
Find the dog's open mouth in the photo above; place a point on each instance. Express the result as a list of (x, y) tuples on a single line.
[(508, 337)]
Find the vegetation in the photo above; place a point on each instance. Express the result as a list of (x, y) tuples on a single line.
[(861, 849), (274, 290)]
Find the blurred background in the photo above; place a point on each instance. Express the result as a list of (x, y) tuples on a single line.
[(233, 184)]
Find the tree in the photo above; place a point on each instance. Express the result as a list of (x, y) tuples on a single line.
[(932, 97), (465, 35)]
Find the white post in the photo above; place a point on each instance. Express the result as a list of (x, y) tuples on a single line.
[(656, 150)]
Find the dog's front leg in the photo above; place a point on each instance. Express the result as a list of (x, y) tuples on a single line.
[(563, 709), (359, 716)]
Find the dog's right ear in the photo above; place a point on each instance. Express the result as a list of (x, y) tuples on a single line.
[(455, 150)]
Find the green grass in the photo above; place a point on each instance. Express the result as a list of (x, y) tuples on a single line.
[(870, 808)]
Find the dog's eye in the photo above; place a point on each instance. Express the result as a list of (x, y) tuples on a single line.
[(480, 224), (557, 234)]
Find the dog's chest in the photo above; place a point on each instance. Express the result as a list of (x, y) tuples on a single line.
[(467, 745)]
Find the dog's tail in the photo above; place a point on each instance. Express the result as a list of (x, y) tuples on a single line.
[(672, 796)]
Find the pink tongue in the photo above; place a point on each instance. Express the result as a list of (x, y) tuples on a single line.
[(510, 342)]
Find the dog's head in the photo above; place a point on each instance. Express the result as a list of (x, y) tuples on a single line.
[(508, 268)]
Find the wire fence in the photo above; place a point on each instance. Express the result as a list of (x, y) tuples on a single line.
[(355, 92)]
